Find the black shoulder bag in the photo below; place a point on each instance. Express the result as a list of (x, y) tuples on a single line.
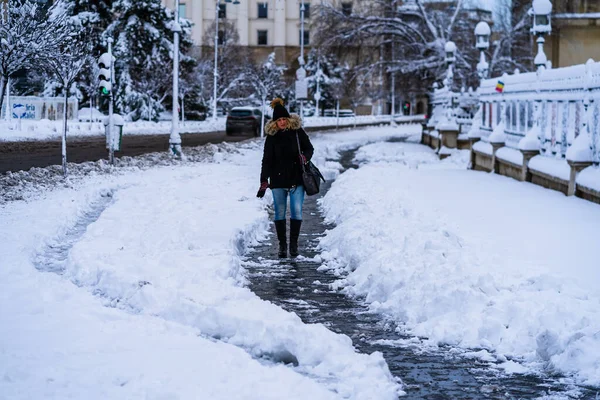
[(311, 176)]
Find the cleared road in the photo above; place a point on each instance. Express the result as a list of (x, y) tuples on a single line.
[(16, 156)]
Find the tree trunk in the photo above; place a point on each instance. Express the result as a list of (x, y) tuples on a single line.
[(3, 82), (262, 117)]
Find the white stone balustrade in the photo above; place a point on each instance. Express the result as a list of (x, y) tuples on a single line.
[(568, 102)]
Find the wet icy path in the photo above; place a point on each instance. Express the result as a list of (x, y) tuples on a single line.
[(297, 286)]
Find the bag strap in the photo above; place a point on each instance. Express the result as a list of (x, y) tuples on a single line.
[(299, 151)]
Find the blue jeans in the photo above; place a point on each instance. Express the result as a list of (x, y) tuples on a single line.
[(280, 202)]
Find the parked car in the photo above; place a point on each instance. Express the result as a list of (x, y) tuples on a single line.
[(244, 120), (343, 113)]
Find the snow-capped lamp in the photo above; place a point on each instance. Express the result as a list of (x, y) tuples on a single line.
[(541, 11), (450, 49), (482, 42), (482, 35)]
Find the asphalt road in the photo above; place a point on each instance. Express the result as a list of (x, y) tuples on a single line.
[(16, 156)]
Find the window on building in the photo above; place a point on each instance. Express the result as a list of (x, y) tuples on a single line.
[(263, 11), (573, 6), (182, 10), (222, 10), (306, 10), (347, 8), (592, 6), (262, 38), (306, 37)]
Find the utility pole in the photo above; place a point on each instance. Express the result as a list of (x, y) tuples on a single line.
[(215, 70), (302, 9), (111, 125), (175, 137), (392, 122)]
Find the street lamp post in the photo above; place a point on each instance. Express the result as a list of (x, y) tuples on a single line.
[(300, 73), (542, 25), (393, 83), (318, 93), (482, 43), (450, 49), (216, 67), (482, 35), (175, 137)]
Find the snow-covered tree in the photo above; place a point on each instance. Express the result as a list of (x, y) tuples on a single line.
[(92, 17), (143, 50), (29, 34), (323, 68), (266, 81), (418, 30), (233, 61), (513, 46), (65, 67)]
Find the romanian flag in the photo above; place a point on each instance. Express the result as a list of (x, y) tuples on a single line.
[(500, 87)]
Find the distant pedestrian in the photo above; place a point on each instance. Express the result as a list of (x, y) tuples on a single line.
[(282, 172)]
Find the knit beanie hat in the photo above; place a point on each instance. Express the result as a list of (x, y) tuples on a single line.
[(279, 110)]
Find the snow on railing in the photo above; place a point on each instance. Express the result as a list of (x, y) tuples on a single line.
[(463, 105), (558, 106)]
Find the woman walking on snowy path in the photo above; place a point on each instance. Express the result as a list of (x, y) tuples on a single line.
[(282, 172)]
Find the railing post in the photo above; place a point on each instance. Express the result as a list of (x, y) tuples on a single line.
[(581, 153)]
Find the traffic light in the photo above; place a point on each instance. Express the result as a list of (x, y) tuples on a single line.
[(104, 76), (406, 107)]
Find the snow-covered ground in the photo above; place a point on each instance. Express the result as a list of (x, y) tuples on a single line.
[(46, 129), (130, 285), (470, 259)]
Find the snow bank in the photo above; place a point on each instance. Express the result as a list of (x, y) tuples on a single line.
[(46, 129), (328, 146), (554, 167), (472, 260), (150, 301), (59, 341), (412, 155)]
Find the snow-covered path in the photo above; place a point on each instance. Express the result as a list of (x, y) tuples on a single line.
[(132, 285), (301, 286)]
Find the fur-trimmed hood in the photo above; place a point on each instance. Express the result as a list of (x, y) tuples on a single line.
[(294, 122)]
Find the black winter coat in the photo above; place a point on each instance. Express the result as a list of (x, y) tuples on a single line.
[(281, 165)]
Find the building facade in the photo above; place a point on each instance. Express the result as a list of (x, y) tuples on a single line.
[(263, 26), (575, 34)]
